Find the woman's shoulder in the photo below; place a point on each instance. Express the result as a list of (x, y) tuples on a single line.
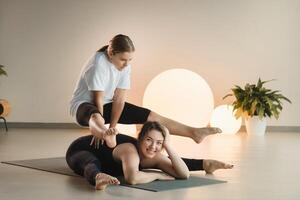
[(126, 147)]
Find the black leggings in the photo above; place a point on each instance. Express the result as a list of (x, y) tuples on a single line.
[(131, 114), (87, 161)]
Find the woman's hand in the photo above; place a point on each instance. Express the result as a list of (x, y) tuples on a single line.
[(164, 177), (173, 165), (167, 137)]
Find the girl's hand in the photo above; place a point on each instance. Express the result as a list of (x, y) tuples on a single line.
[(111, 131), (99, 137)]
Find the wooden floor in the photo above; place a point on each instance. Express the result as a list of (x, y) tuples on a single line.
[(265, 168)]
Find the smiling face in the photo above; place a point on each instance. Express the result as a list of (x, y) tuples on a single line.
[(120, 60), (151, 144)]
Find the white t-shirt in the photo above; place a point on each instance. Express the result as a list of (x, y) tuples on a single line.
[(99, 74)]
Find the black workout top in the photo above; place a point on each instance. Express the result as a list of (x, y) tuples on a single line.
[(104, 153)]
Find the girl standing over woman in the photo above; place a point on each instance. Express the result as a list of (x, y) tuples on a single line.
[(100, 97)]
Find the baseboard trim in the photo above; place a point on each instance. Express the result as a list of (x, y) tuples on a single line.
[(75, 126), (42, 125), (277, 129)]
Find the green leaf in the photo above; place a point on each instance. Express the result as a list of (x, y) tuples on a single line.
[(2, 71), (259, 84), (228, 95), (263, 82), (253, 106), (261, 112), (238, 113)]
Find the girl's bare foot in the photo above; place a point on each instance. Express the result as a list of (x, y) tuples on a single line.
[(110, 137), (200, 133), (101, 136), (110, 140), (102, 180), (212, 165)]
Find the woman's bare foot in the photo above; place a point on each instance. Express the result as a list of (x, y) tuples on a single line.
[(212, 165), (102, 180), (200, 133)]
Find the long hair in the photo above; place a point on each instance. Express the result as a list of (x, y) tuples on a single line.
[(119, 44)]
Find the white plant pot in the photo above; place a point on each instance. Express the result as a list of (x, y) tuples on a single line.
[(256, 126)]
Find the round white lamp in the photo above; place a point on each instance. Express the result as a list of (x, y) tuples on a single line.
[(181, 95), (223, 118)]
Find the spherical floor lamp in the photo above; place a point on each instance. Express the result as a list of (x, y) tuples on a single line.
[(223, 117), (182, 95)]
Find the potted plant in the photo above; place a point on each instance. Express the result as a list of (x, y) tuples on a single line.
[(4, 105), (255, 103), (2, 71)]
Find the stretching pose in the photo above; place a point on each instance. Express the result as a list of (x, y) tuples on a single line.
[(101, 166), (99, 97)]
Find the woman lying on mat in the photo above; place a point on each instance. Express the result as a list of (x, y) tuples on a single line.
[(100, 166)]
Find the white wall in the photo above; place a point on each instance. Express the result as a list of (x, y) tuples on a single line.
[(44, 44)]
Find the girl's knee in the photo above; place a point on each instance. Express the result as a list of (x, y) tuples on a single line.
[(153, 116), (96, 117)]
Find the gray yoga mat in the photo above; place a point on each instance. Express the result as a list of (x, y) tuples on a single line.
[(58, 165), (157, 186)]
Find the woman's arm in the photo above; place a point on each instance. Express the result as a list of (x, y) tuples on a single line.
[(117, 106), (173, 165), (129, 157)]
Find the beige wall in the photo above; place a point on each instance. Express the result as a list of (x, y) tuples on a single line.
[(44, 44)]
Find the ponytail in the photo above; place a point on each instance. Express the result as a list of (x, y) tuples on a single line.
[(119, 44), (103, 49)]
